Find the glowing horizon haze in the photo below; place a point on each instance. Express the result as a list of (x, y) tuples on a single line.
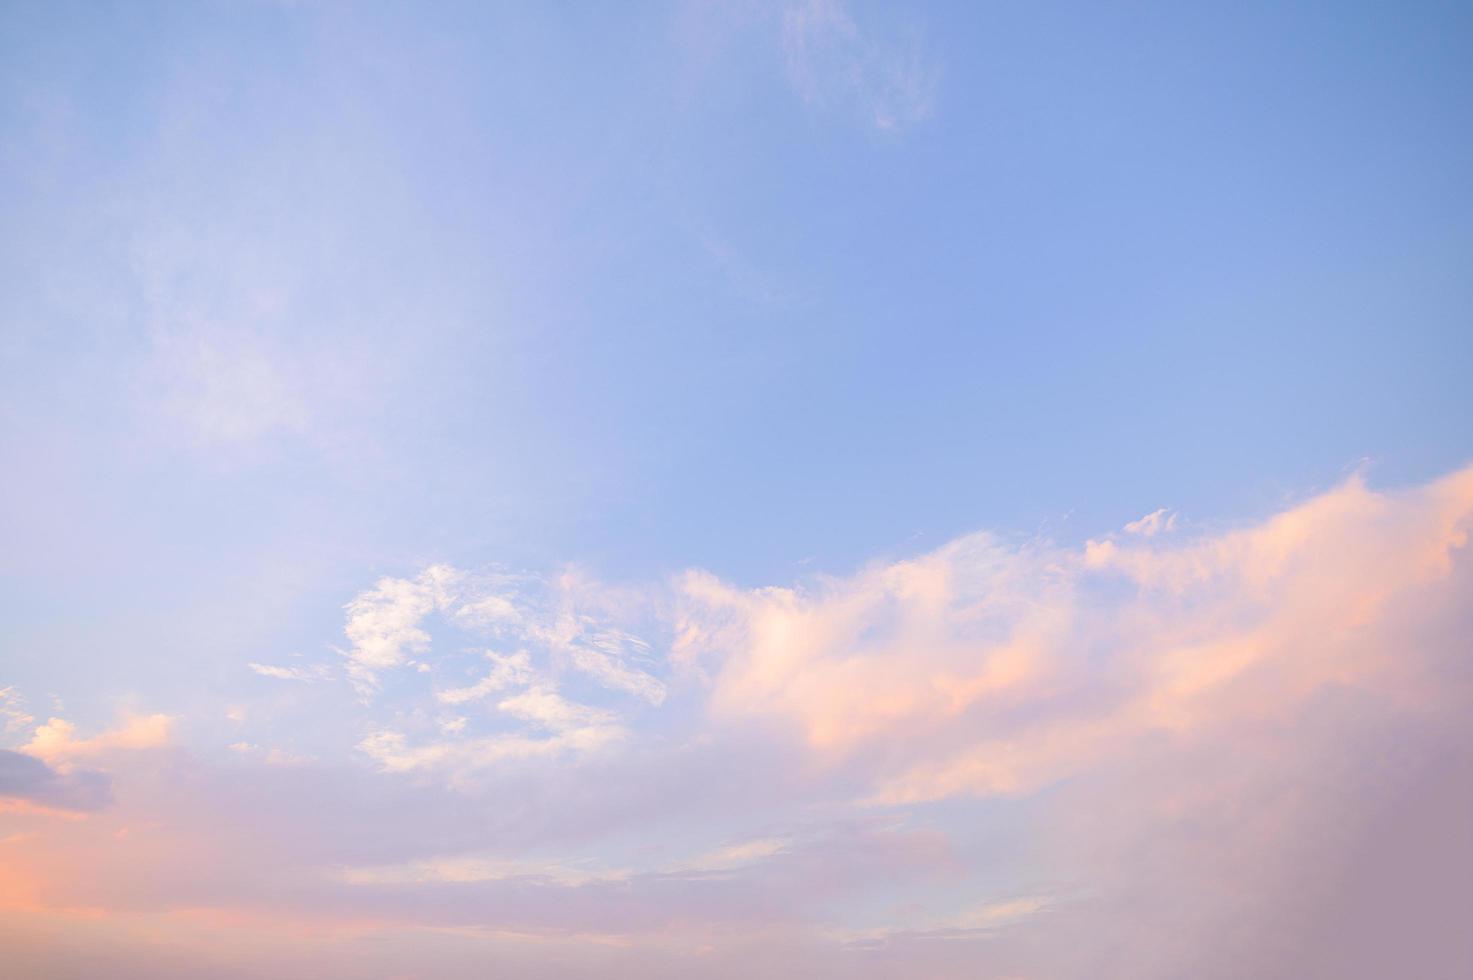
[(760, 489)]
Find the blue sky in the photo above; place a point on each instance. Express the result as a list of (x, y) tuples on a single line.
[(297, 298)]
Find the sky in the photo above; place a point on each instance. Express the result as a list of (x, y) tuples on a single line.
[(798, 489)]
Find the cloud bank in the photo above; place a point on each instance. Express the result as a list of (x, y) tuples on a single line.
[(1171, 750)]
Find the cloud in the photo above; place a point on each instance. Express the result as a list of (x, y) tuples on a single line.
[(505, 671), (831, 62), (549, 710), (464, 758), (383, 625), (13, 714), (568, 727), (1233, 752), (983, 668), (900, 648), (1152, 524), (566, 874), (570, 621), (55, 741), (602, 654), (30, 780), (314, 673)]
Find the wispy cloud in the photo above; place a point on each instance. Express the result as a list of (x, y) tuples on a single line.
[(549, 710), (506, 671), (463, 758), (315, 672), (833, 63), (564, 620), (1153, 523), (13, 714)]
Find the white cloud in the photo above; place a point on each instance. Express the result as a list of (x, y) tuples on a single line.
[(316, 672), (550, 710), (506, 671), (386, 627), (461, 759), (1152, 524), (602, 654), (490, 611), (383, 624)]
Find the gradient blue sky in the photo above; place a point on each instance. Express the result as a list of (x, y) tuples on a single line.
[(297, 297)]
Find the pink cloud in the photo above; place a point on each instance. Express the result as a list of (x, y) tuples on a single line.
[(1243, 752)]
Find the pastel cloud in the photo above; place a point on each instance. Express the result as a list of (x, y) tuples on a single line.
[(549, 710), (505, 671), (561, 727), (383, 626), (386, 628), (1147, 755), (1153, 523), (55, 741), (463, 758), (307, 674), (985, 669)]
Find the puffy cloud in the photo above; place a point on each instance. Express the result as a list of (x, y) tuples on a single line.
[(55, 741), (899, 650), (985, 669)]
